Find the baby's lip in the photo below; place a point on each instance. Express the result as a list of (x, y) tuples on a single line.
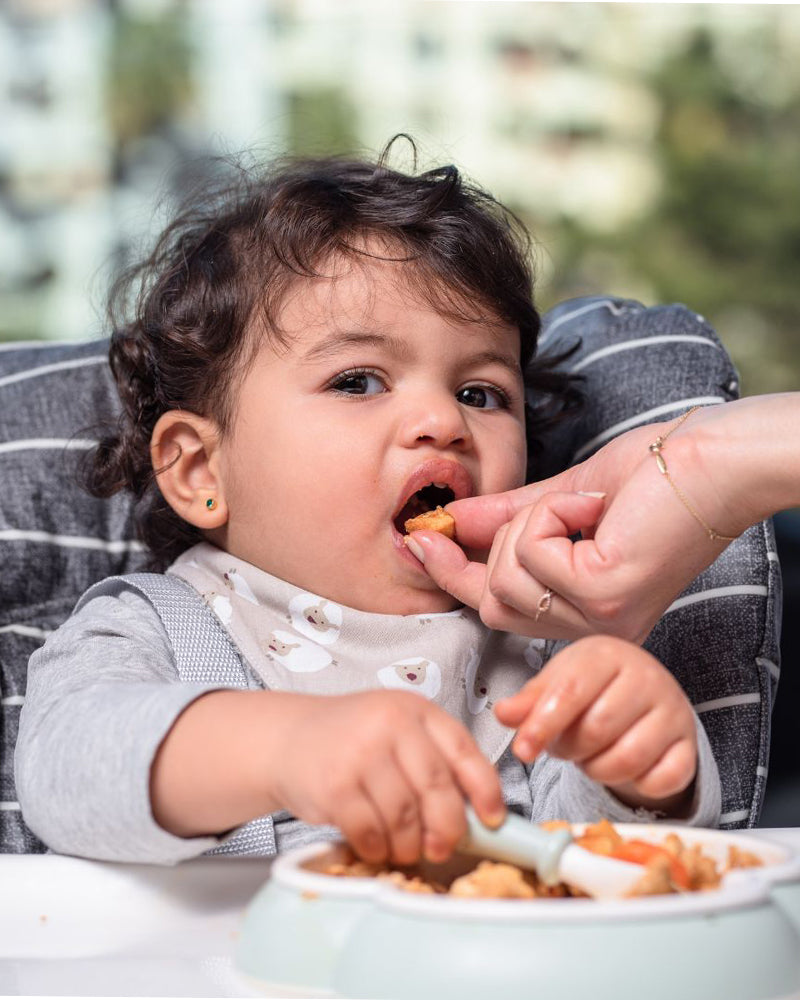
[(436, 470)]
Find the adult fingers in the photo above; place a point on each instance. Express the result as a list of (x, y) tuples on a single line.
[(494, 610), (448, 566), (511, 591), (545, 547), (592, 574), (451, 570), (396, 802), (506, 592), (478, 518)]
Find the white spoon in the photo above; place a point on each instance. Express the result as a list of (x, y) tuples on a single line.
[(551, 854)]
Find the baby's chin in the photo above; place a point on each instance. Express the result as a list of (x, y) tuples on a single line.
[(421, 603), (399, 601)]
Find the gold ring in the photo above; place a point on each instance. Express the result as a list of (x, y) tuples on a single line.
[(544, 604)]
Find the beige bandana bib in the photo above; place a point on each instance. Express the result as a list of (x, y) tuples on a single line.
[(297, 641)]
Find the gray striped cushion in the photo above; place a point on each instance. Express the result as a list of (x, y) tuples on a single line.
[(57, 541)]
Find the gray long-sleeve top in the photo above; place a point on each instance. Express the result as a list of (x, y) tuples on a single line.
[(103, 692)]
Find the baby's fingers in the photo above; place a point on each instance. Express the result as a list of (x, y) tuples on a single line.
[(513, 710), (361, 826), (439, 799), (556, 711), (631, 759), (618, 707), (672, 773), (476, 777), (562, 692), (396, 802)]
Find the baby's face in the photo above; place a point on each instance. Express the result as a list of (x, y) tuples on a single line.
[(376, 397)]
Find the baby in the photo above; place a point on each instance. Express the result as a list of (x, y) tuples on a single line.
[(317, 355)]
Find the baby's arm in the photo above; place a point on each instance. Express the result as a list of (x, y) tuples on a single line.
[(390, 769), (102, 694), (610, 708), (118, 760)]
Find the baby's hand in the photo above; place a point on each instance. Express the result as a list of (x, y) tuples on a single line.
[(615, 711), (390, 769)]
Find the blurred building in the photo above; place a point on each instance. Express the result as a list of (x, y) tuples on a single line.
[(55, 165), (109, 106)]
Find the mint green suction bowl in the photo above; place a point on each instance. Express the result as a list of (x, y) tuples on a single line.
[(318, 935), (744, 948), (297, 924)]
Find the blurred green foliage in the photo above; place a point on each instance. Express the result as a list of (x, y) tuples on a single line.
[(149, 73), (320, 121), (724, 235)]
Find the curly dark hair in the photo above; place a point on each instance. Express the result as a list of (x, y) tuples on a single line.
[(212, 288)]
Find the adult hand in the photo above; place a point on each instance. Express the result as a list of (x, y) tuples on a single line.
[(640, 545)]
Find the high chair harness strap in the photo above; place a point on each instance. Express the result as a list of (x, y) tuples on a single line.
[(204, 654)]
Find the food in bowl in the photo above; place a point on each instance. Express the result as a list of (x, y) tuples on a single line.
[(433, 520), (670, 866)]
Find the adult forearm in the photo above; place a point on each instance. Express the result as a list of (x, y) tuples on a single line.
[(753, 449), (213, 770)]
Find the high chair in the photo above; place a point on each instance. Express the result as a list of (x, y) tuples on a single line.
[(720, 638)]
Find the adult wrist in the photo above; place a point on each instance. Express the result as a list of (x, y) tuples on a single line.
[(694, 467), (748, 449)]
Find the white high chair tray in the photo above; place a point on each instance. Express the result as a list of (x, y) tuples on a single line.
[(70, 927)]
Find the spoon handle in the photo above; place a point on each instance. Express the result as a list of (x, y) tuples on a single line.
[(519, 842)]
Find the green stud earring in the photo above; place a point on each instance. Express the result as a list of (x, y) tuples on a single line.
[(211, 503)]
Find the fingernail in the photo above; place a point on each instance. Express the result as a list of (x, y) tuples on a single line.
[(529, 743), (415, 548), (495, 818), (434, 850), (589, 493)]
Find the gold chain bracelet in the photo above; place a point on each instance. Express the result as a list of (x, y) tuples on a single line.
[(656, 448)]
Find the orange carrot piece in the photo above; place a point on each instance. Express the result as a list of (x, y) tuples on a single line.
[(640, 852)]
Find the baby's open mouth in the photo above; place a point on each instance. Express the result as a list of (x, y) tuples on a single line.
[(428, 498)]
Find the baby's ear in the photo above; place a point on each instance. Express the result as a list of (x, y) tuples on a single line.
[(184, 450)]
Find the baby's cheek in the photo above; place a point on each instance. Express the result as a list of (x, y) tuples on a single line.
[(516, 461)]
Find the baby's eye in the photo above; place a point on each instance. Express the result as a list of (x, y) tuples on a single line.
[(358, 383), (483, 397)]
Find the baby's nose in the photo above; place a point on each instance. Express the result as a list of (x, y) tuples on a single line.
[(437, 420)]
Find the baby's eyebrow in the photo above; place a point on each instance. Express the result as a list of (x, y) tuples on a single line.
[(493, 358), (331, 346)]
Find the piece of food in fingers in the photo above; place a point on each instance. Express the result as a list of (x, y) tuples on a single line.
[(433, 520)]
